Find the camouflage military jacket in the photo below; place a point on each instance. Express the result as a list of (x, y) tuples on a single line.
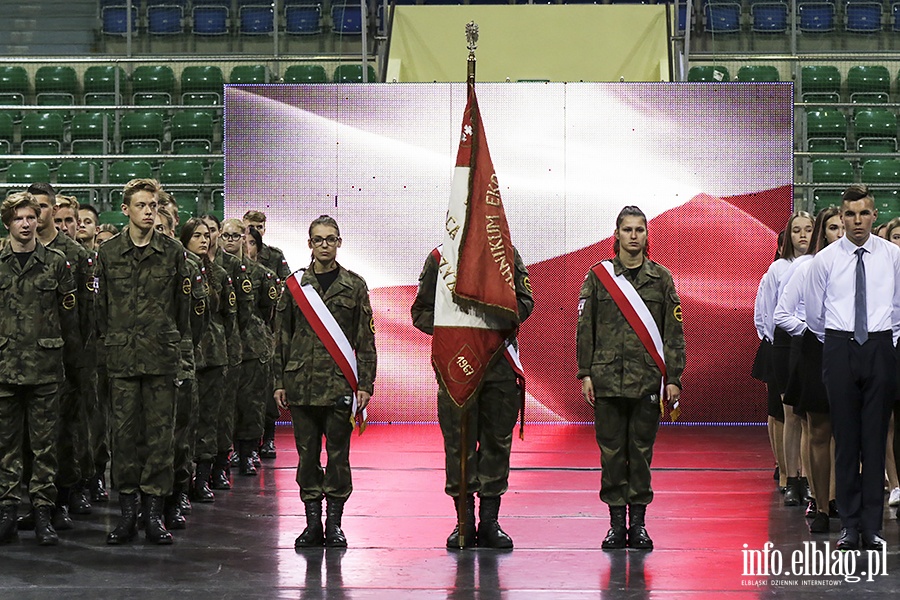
[(39, 329), (273, 259), (260, 288), (423, 308), (144, 304), (82, 262), (609, 350), (233, 268), (303, 367), (191, 356), (222, 307)]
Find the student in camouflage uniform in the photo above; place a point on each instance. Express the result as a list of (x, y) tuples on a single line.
[(273, 259), (38, 334), (143, 308), (491, 420), (309, 382), (79, 391), (621, 381)]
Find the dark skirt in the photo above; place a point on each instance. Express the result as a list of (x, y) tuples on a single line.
[(795, 383), (813, 397), (762, 363), (781, 359)]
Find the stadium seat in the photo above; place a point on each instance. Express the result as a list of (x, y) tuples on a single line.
[(217, 176), (302, 19), (87, 133), (6, 137), (100, 85), (863, 16), (895, 16), (722, 17), (769, 16), (42, 133), (26, 173), (305, 74), (832, 170), (249, 74), (165, 17), (142, 132), (874, 123), (709, 73), (75, 177), (115, 20), (823, 198), (256, 19), (876, 145), (883, 170), (14, 88), (826, 145), (869, 84), (346, 19), (821, 83), (123, 171), (152, 84), (826, 123), (210, 18), (55, 85), (353, 74), (815, 17), (202, 85), (183, 172), (749, 73), (192, 132)]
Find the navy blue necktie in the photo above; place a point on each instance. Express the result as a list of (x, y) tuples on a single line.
[(861, 328)]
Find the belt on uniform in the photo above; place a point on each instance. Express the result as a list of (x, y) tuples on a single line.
[(873, 335)]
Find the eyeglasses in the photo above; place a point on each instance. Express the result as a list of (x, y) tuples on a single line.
[(232, 237), (331, 240)]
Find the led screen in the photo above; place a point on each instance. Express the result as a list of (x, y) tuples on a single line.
[(710, 165)]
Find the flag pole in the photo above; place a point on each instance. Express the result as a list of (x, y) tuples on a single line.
[(462, 503)]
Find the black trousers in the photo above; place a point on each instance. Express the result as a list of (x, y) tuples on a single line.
[(861, 383)]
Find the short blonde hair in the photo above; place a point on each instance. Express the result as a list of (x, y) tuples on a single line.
[(140, 185), (67, 202), (14, 202)]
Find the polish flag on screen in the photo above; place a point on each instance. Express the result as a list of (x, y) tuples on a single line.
[(475, 306)]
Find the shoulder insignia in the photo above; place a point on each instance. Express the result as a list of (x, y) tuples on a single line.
[(527, 283), (273, 292), (200, 308), (186, 285), (232, 298), (68, 301), (372, 324), (581, 306), (247, 286), (676, 312)]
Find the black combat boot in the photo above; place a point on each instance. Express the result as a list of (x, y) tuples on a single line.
[(200, 487), (61, 519), (313, 535), (793, 492), (490, 535), (184, 499), (43, 528), (26, 521), (79, 499), (334, 536), (126, 529), (173, 512), (218, 478), (267, 450), (97, 485), (9, 526), (638, 538), (153, 512), (246, 461), (617, 536), (469, 539)]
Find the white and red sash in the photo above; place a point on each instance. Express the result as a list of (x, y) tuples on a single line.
[(330, 334), (636, 313)]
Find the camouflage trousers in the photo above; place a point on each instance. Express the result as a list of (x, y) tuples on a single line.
[(143, 433), (77, 394), (29, 412), (211, 384), (310, 424), (626, 430), (491, 419), (186, 409), (99, 425), (254, 385), (225, 426)]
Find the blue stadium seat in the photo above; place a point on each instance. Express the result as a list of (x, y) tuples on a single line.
[(302, 19), (346, 19), (769, 17), (165, 17), (863, 16), (256, 19), (115, 20), (210, 19), (723, 17), (815, 17), (895, 19)]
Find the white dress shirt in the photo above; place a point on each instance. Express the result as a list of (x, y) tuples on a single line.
[(790, 312), (831, 287), (767, 297)]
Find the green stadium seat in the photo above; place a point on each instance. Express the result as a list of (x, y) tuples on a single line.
[(869, 84), (90, 126), (249, 74), (202, 85), (823, 198), (42, 133), (113, 217), (875, 122), (26, 173), (14, 88), (826, 145), (100, 85), (217, 176), (192, 132), (152, 85), (832, 170), (6, 136), (142, 132), (73, 176), (881, 170), (123, 171), (55, 85), (353, 74), (183, 172), (750, 73), (826, 123), (876, 145), (821, 83), (708, 74), (305, 74)]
